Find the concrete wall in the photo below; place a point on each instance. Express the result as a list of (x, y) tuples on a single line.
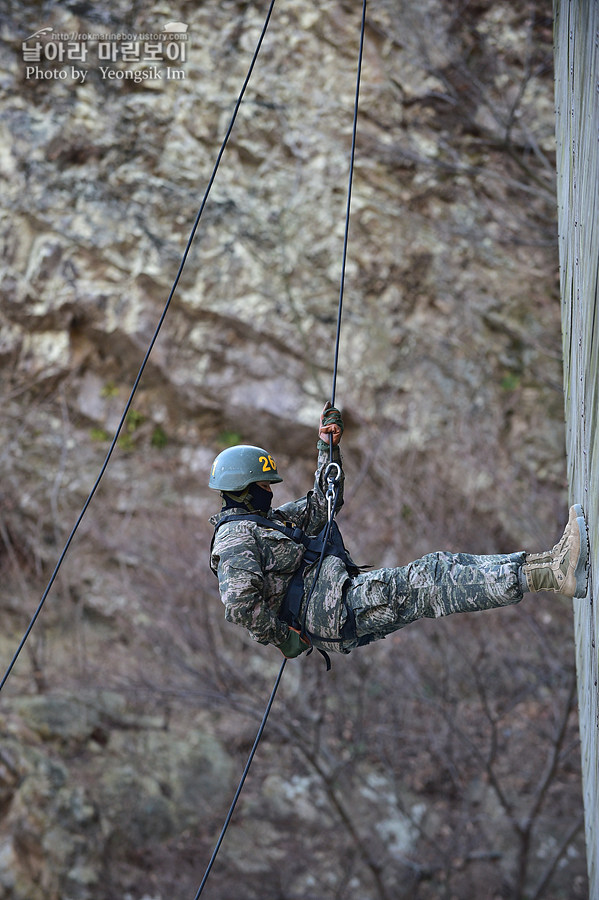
[(577, 130)]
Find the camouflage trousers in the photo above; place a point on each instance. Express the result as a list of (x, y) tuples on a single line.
[(438, 584)]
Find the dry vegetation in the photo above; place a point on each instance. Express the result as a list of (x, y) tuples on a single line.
[(443, 762)]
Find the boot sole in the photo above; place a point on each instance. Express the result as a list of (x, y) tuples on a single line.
[(580, 572)]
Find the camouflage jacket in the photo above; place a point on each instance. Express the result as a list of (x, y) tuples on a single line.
[(255, 565)]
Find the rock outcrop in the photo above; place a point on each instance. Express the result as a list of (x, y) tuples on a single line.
[(128, 713)]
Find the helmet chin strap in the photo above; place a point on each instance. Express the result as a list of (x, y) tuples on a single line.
[(232, 499)]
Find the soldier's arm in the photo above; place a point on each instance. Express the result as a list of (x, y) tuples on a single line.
[(241, 585), (311, 512), (330, 426)]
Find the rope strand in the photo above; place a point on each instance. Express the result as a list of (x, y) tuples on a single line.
[(334, 504), (347, 211), (242, 781), (146, 357)]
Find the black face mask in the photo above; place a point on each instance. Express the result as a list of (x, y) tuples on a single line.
[(260, 498), (253, 498)]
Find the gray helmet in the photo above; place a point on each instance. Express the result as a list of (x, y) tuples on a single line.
[(236, 467)]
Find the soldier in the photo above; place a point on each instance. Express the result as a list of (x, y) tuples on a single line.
[(265, 562)]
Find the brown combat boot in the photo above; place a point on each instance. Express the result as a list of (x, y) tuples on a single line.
[(564, 568)]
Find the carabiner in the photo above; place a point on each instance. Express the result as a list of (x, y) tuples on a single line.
[(332, 480)]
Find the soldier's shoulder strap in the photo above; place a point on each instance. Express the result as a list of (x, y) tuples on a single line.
[(294, 532)]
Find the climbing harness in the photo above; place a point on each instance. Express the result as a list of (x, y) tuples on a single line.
[(147, 355), (328, 542), (333, 483)]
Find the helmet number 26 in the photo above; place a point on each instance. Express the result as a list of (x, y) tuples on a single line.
[(268, 463)]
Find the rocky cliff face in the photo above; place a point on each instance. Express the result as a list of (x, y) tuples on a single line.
[(123, 719)]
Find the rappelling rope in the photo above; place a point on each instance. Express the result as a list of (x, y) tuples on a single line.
[(347, 211), (242, 780), (333, 487), (147, 356)]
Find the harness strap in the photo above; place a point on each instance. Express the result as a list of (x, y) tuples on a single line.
[(289, 611), (349, 630), (295, 533), (313, 545)]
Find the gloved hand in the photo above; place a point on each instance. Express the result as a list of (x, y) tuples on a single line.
[(331, 422), (294, 644)]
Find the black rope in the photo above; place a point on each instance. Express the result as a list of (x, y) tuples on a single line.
[(146, 357), (347, 211), (242, 781), (336, 487)]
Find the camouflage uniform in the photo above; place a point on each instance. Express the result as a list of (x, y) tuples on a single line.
[(255, 566)]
